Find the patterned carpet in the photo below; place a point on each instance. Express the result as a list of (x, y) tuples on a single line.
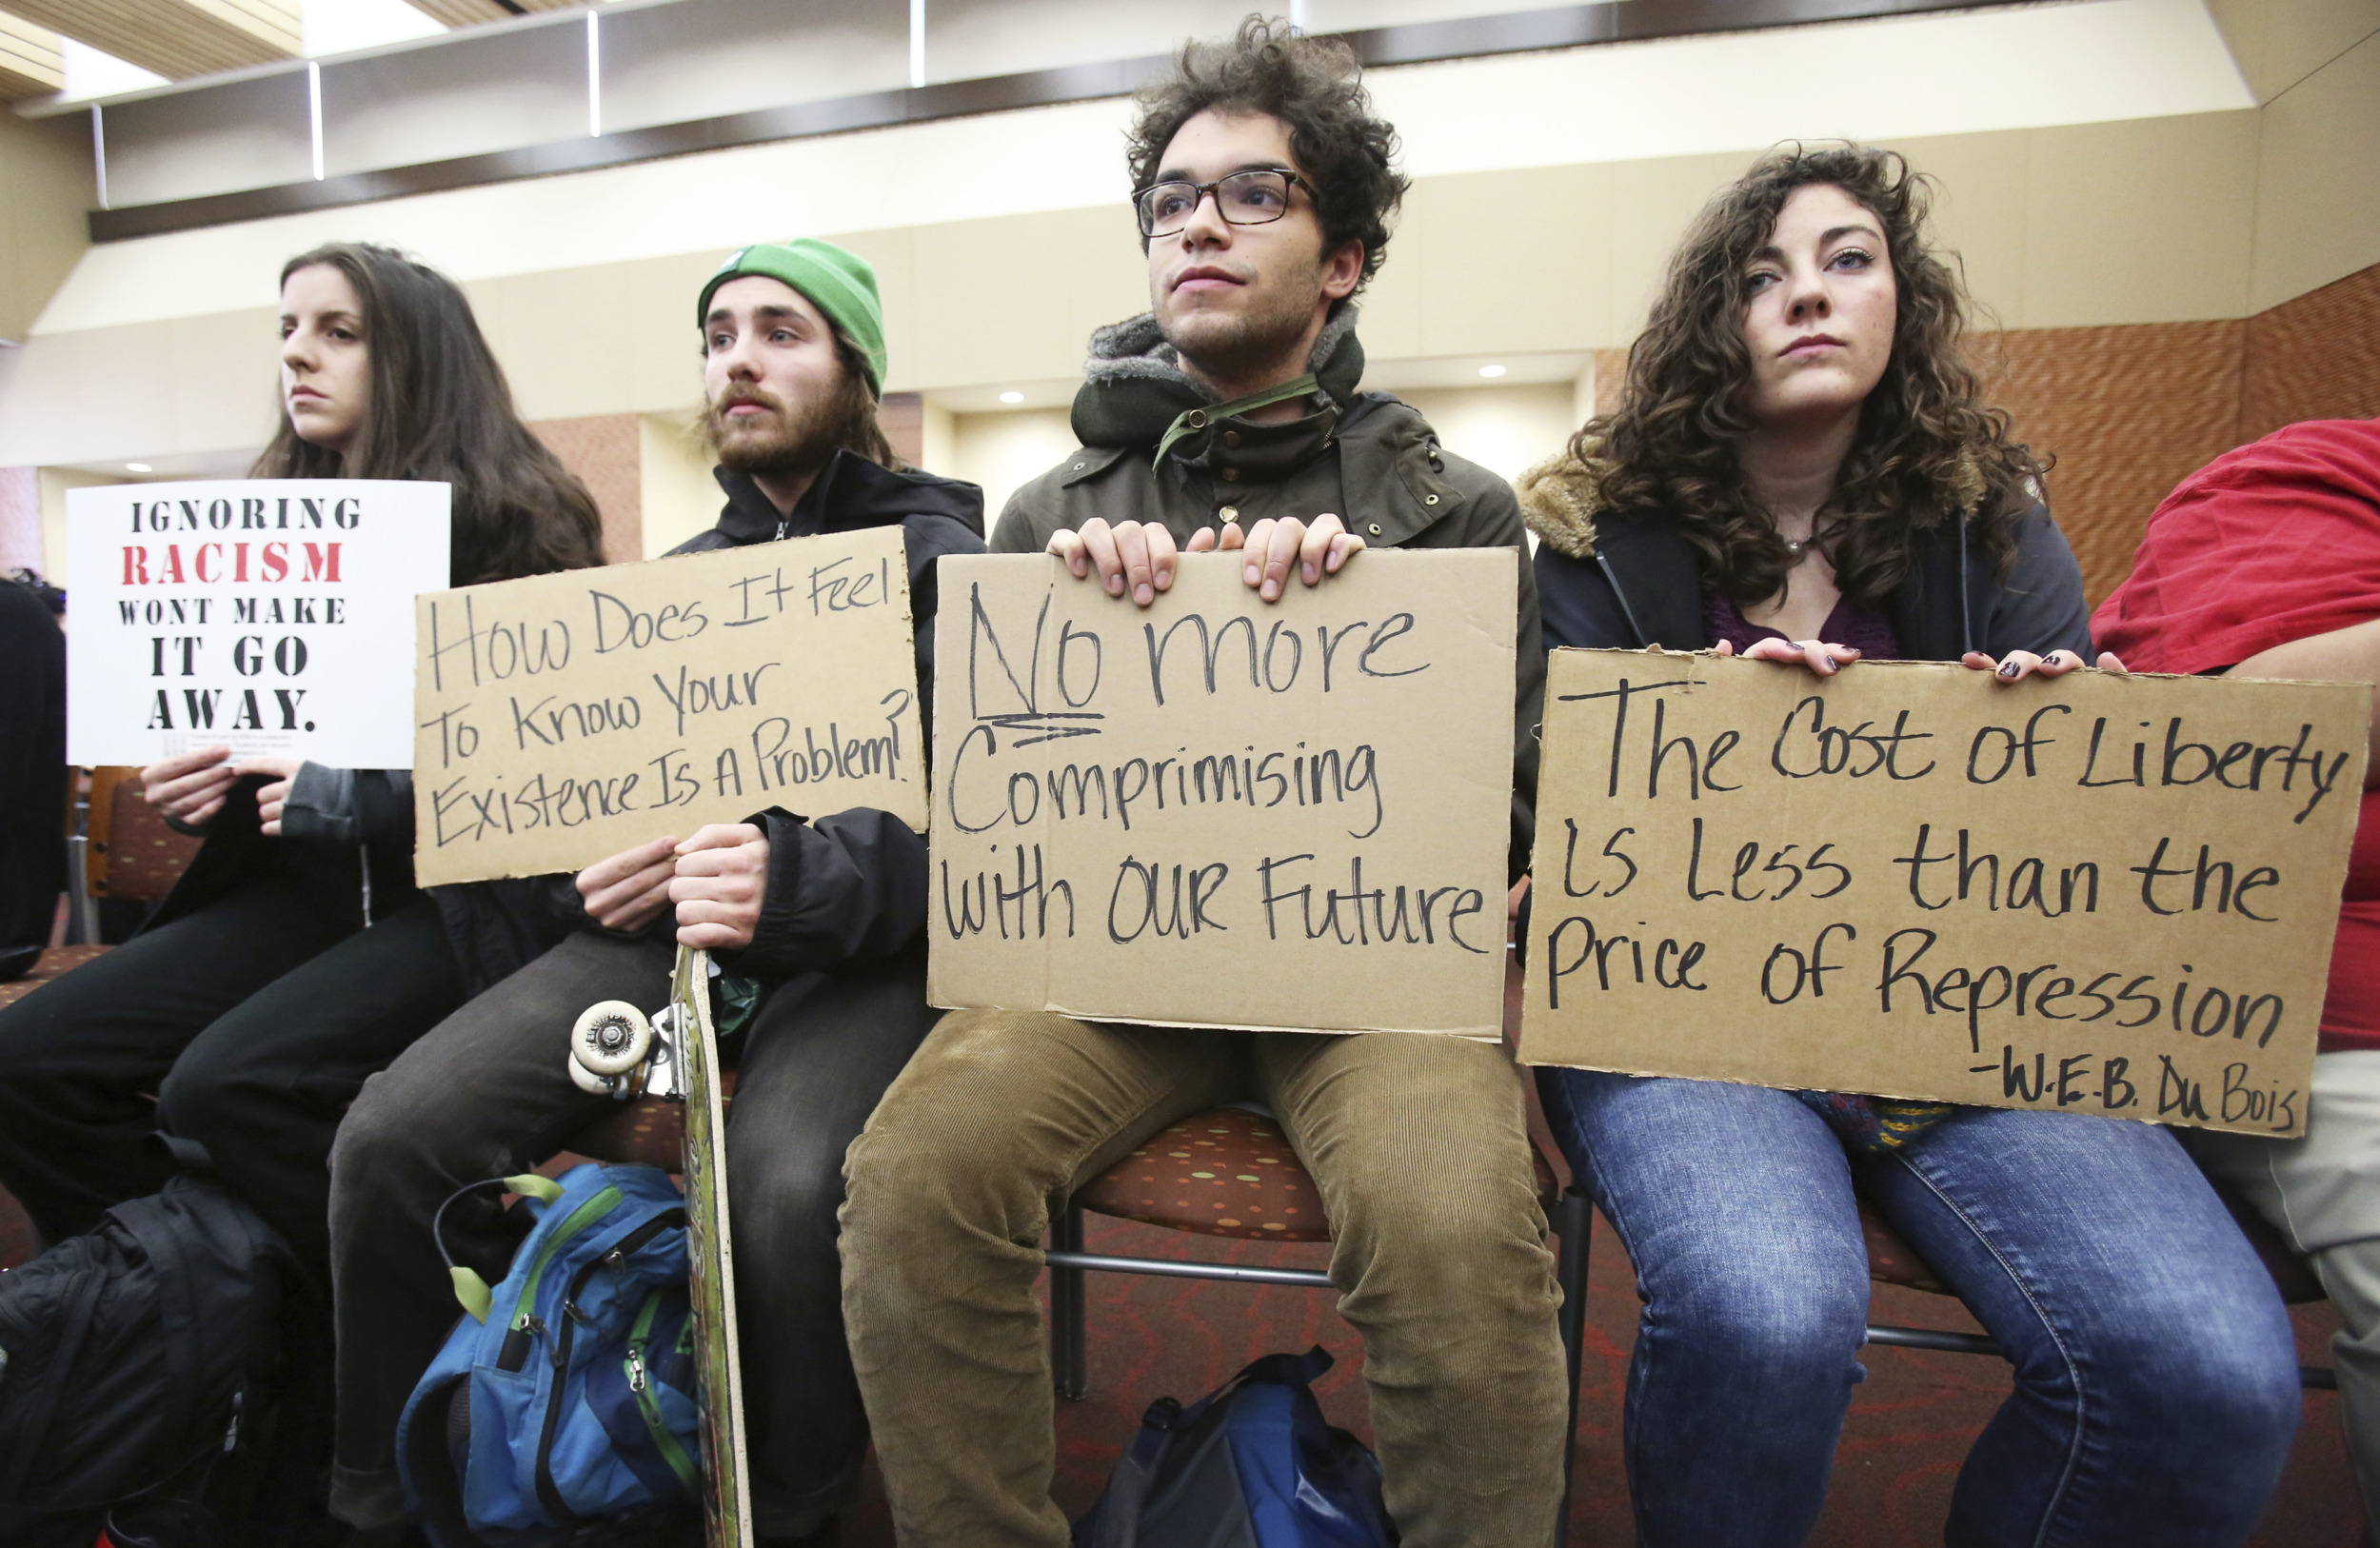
[(1911, 1422)]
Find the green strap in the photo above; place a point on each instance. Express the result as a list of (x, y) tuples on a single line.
[(1194, 419)]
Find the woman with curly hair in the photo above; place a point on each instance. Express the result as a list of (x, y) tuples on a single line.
[(1803, 473)]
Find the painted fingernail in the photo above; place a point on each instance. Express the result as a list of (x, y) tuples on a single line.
[(2008, 669)]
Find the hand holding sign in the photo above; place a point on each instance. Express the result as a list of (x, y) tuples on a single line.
[(273, 796), (189, 786), (1141, 557), (626, 890), (721, 880)]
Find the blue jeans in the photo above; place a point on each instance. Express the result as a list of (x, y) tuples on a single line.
[(2155, 1374)]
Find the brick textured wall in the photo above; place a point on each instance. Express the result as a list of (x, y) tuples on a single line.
[(2121, 414), (602, 450), (2316, 357)]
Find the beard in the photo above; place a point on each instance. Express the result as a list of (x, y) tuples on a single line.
[(792, 438), (1236, 346)]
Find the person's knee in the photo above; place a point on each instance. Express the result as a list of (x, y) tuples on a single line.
[(205, 1100)]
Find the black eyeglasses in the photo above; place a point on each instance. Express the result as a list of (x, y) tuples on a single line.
[(1255, 197)]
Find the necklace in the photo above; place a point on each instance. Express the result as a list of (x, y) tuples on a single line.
[(1795, 546)]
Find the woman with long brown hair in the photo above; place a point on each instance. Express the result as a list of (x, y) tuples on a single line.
[(1803, 471), (295, 957)]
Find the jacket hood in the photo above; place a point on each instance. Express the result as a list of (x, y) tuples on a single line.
[(1559, 500), (1134, 387), (849, 493)]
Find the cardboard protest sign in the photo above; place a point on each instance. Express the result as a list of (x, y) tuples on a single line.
[(2093, 894), (1221, 812), (564, 718), (270, 616)]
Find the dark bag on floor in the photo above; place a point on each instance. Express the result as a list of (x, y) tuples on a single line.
[(1252, 1464), (135, 1358)]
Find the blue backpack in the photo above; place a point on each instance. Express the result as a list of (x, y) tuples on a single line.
[(567, 1397), (1252, 1464)]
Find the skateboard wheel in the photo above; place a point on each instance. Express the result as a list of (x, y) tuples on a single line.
[(611, 1037), (590, 1082)]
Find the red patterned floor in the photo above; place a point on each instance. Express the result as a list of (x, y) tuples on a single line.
[(1910, 1421)]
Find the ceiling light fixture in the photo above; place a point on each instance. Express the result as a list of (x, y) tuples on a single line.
[(1012, 397), (1491, 371), (136, 467)]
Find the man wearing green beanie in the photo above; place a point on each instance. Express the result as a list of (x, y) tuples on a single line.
[(839, 283), (828, 914)]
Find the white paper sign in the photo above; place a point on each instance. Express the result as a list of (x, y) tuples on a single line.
[(270, 616)]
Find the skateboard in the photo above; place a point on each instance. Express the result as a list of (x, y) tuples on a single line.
[(616, 1050)]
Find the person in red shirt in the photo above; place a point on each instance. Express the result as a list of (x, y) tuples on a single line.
[(2265, 562)]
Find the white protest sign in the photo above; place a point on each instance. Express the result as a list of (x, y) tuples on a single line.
[(269, 616)]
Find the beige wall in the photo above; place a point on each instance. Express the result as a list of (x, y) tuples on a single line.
[(45, 186), (680, 496), (2083, 226), (1001, 452), (2278, 44), (2318, 174)]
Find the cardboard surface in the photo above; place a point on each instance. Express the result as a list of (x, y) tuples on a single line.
[(270, 616), (1221, 812), (564, 718), (2093, 894)]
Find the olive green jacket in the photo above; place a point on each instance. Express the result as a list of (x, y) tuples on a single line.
[(1364, 456)]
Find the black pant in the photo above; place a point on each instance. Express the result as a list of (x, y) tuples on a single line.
[(489, 1094), (253, 1021)]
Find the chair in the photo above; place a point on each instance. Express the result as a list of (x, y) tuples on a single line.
[(1892, 1260), (1230, 1172), (124, 851)]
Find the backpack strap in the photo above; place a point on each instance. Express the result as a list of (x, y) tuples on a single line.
[(1284, 1370), (470, 1289), (1128, 1491), (79, 1317), (148, 1225), (427, 1461)]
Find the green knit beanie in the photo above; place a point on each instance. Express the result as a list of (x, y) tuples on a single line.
[(839, 283)]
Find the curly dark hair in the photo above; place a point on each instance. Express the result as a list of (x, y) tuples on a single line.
[(1927, 451), (440, 411), (1313, 85)]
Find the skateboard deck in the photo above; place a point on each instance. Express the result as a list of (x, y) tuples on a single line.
[(727, 1486)]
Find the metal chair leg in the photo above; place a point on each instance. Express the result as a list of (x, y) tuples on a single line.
[(1573, 1219), (1068, 1358)]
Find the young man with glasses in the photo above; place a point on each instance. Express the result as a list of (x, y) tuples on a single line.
[(1265, 184)]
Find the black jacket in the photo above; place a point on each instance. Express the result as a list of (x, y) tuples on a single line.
[(1613, 583), (851, 886), (347, 837)]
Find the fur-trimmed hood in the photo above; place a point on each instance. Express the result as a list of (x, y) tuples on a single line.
[(1560, 498)]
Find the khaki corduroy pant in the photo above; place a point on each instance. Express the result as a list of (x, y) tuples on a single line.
[(1421, 1149)]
